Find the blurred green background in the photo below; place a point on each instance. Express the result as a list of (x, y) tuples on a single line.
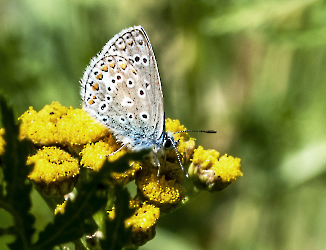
[(253, 70)]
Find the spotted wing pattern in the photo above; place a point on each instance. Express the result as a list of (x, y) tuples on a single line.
[(121, 88)]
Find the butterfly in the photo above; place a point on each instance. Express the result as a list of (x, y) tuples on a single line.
[(121, 88)]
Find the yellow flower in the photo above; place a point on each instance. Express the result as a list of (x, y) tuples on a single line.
[(60, 208), (186, 144), (40, 127), (78, 128), (81, 135), (142, 222), (159, 190), (165, 191), (55, 171), (94, 154), (212, 172), (129, 175), (2, 141), (55, 124)]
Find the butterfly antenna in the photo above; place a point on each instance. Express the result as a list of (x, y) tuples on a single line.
[(179, 160), (176, 150), (202, 131)]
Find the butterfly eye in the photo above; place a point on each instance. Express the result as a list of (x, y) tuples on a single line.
[(168, 143)]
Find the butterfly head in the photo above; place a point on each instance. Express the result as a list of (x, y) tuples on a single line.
[(166, 143)]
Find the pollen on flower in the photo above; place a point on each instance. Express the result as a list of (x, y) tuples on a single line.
[(165, 194), (212, 172), (129, 175), (2, 141), (144, 218), (142, 223), (173, 125), (55, 171), (56, 124), (186, 144), (40, 127), (94, 154), (78, 127)]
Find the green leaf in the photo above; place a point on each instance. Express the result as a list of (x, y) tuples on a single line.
[(15, 197), (116, 235)]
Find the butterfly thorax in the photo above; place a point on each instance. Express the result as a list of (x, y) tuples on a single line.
[(140, 142)]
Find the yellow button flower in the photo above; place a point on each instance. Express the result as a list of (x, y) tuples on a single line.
[(212, 172), (142, 222), (160, 191), (55, 171), (2, 141), (56, 124)]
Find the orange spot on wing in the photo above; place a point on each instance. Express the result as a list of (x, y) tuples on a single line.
[(95, 87), (99, 76), (123, 65), (105, 68)]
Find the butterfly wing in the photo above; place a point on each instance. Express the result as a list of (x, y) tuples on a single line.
[(121, 88)]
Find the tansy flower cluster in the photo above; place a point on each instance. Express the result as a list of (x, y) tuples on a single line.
[(66, 139), (142, 222)]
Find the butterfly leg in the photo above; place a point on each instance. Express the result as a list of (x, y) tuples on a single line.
[(158, 164), (117, 150)]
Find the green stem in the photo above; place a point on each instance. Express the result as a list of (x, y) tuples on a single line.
[(79, 245)]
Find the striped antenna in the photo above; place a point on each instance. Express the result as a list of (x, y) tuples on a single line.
[(176, 150), (202, 131)]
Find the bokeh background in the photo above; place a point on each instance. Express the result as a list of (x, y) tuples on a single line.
[(253, 70)]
